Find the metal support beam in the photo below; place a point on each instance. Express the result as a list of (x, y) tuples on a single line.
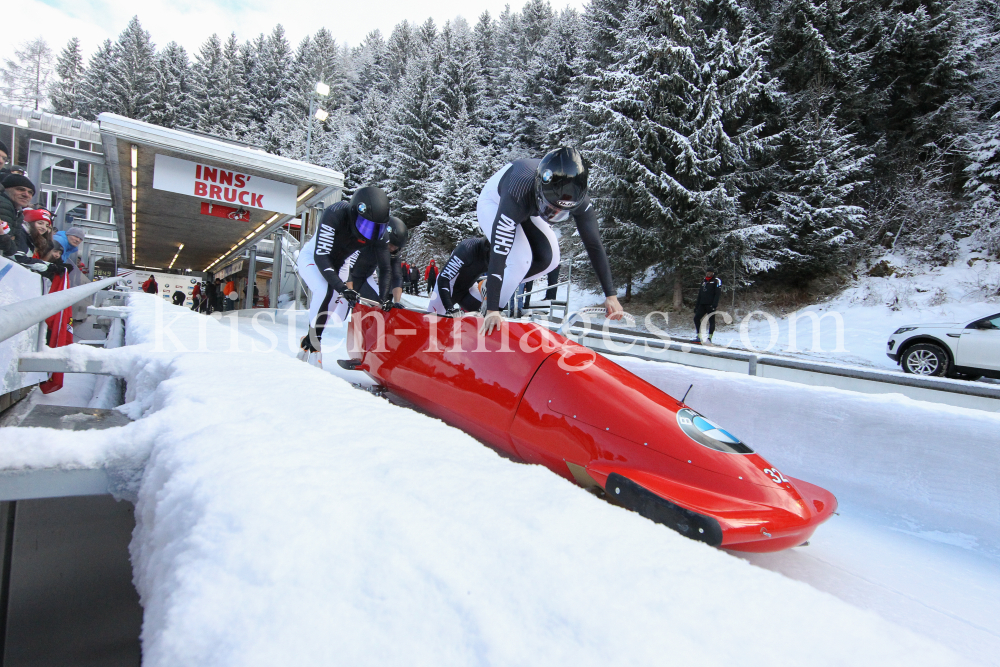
[(45, 365), (251, 277), (276, 268), (42, 155), (78, 196)]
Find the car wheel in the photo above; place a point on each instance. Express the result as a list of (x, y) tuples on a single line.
[(925, 359)]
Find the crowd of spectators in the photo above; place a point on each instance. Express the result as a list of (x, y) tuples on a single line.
[(26, 233)]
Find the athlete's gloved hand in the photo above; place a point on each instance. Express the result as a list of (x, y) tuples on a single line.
[(38, 267), (352, 297), (454, 311), (493, 322), (388, 305)]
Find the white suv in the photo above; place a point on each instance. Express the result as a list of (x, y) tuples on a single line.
[(957, 350)]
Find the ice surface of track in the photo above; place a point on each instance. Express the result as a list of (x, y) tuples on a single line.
[(884, 552), (284, 517), (912, 542)]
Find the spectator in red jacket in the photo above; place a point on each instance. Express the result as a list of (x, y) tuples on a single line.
[(431, 275), (150, 286)]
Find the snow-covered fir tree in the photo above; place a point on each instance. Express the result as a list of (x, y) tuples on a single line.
[(65, 93), (173, 102), (134, 73), (95, 93), (668, 144)]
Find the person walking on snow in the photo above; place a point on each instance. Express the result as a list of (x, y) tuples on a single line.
[(705, 307), (344, 228), (515, 209)]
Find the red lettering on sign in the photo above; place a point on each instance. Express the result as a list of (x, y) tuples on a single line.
[(240, 181), (230, 194), (200, 189), (197, 171), (225, 177), (209, 174), (257, 200), (214, 192), (243, 196)]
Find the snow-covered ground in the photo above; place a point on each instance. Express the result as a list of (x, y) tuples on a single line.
[(285, 517)]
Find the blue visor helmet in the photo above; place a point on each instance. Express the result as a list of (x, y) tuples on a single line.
[(367, 229)]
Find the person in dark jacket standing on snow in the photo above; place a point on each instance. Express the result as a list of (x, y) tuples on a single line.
[(705, 307)]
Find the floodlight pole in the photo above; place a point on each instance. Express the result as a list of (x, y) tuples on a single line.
[(309, 132)]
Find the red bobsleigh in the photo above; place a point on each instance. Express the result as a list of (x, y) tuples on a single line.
[(540, 398)]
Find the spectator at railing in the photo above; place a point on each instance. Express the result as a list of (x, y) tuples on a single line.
[(17, 194), (31, 236), (70, 241)]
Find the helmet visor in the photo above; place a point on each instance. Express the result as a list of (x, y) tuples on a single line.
[(551, 212), (368, 229)]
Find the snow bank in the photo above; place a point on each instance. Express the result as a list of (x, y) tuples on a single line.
[(937, 464), (284, 517)]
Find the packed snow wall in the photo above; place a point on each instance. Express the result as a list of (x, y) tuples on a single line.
[(936, 465)]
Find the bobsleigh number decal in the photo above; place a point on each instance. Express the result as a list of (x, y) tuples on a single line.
[(776, 476)]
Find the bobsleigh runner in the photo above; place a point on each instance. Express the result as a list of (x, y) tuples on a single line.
[(540, 398)]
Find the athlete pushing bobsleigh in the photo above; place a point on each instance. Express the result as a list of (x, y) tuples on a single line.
[(344, 228), (515, 209)]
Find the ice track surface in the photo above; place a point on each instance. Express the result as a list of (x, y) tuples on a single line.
[(878, 554), (284, 517)]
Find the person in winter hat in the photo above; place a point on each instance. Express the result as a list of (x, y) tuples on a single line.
[(705, 307), (18, 193), (151, 286)]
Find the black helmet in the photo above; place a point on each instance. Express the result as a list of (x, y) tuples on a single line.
[(397, 232), (560, 182), (370, 204)]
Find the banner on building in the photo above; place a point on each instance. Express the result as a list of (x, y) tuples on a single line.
[(223, 185)]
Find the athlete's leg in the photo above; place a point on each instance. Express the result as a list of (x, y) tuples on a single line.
[(544, 248), (519, 257), (434, 305)]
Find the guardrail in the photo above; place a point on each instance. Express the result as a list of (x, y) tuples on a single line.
[(18, 316), (643, 345)]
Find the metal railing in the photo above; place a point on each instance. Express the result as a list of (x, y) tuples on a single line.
[(18, 316)]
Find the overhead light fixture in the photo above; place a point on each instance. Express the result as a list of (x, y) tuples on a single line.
[(305, 194), (249, 236), (135, 193), (322, 114), (179, 248), (322, 89)]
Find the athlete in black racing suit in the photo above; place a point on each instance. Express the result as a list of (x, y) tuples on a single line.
[(396, 235), (456, 284), (514, 210), (343, 229)]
